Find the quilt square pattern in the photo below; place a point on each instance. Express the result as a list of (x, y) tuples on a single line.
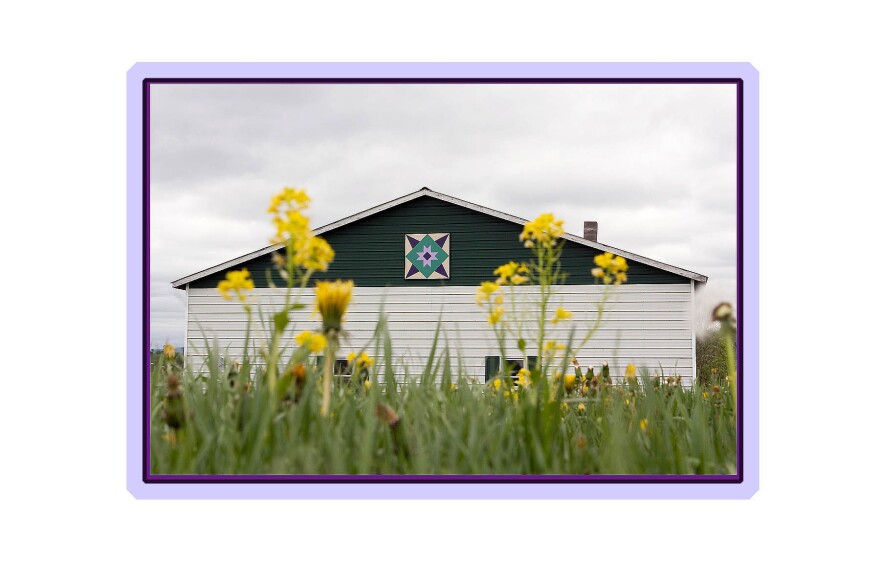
[(426, 256)]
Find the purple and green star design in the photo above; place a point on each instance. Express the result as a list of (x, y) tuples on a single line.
[(426, 256)]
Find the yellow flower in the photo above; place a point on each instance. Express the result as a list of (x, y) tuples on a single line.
[(314, 253), (495, 314), (485, 291), (312, 340), (570, 381), (631, 372), (610, 268), (561, 314), (290, 197), (332, 299), (368, 385), (582, 407), (551, 347), (496, 384), (523, 378), (362, 361), (505, 272), (518, 279), (603, 260), (292, 228), (544, 230), (236, 282), (499, 300), (169, 351), (564, 406), (643, 424)]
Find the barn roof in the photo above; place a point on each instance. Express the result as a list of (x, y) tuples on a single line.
[(426, 192)]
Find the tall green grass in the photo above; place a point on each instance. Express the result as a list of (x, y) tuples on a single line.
[(431, 422)]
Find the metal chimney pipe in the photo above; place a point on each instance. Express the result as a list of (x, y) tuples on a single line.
[(591, 230)]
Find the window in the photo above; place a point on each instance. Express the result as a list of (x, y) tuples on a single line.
[(493, 365)]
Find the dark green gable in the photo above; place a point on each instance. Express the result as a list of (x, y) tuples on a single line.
[(371, 251)]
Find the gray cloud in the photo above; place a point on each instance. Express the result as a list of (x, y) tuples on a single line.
[(654, 164)]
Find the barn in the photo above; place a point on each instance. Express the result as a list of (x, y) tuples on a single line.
[(419, 259)]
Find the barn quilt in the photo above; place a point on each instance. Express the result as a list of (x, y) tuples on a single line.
[(426, 256)]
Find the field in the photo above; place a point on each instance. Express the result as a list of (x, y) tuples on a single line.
[(286, 410)]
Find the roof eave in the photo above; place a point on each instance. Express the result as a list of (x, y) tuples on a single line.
[(180, 283)]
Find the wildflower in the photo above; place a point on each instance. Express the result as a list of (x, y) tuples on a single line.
[(289, 196), (298, 375), (314, 253), (570, 381), (496, 383), (643, 424), (368, 385), (715, 389), (362, 361), (518, 279), (523, 378), (505, 272), (705, 395), (495, 315), (551, 347), (631, 372), (582, 407), (610, 268), (314, 341), (332, 298), (564, 406), (485, 291), (581, 441), (236, 282), (561, 314), (169, 351), (544, 230), (723, 312), (291, 228)]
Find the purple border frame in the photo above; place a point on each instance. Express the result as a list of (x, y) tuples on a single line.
[(741, 486)]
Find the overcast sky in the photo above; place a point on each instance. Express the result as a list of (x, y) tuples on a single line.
[(655, 165)]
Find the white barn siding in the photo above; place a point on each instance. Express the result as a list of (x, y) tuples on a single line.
[(649, 325)]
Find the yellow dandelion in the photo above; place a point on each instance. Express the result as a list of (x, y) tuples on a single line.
[(314, 341), (169, 351), (332, 299), (495, 314), (631, 372), (643, 424), (582, 407), (570, 381)]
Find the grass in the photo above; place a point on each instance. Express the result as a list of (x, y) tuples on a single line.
[(229, 422)]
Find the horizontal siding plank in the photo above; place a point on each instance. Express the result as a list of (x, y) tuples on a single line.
[(649, 325)]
